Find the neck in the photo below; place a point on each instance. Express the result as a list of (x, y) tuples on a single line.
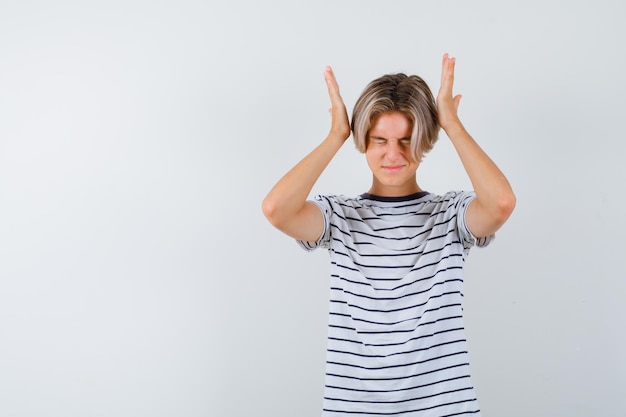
[(392, 190)]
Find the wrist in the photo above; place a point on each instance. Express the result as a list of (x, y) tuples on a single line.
[(454, 128), (337, 136)]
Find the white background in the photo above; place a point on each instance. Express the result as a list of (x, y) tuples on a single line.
[(138, 276)]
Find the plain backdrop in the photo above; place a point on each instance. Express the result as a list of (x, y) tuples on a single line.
[(138, 276)]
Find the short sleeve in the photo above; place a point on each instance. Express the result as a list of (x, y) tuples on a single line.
[(324, 241), (468, 239)]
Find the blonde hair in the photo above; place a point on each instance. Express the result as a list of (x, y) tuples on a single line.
[(409, 95)]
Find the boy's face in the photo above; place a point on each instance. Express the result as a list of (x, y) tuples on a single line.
[(388, 155)]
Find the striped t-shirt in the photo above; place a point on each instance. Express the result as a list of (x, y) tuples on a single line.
[(396, 341)]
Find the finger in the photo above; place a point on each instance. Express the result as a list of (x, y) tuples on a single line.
[(331, 82), (447, 73), (444, 61), (336, 101)]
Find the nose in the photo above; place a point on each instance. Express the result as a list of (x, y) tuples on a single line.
[(394, 150)]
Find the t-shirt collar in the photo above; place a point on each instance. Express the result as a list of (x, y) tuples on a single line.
[(399, 199)]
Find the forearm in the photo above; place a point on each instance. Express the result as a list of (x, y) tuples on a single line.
[(493, 191), (289, 195), (494, 197)]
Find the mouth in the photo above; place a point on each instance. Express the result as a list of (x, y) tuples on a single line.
[(393, 168)]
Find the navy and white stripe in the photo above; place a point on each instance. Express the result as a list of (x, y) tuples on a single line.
[(396, 341)]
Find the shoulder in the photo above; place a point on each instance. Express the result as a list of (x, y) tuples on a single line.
[(451, 196), (454, 198), (338, 200), (450, 204)]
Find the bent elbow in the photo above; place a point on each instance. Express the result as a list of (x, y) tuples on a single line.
[(506, 205), (268, 206), (275, 212)]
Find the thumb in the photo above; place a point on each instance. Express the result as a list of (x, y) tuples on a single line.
[(457, 100)]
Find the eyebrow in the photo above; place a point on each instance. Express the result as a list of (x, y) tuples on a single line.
[(380, 137)]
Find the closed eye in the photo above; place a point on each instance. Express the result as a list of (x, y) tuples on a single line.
[(378, 140), (403, 142)]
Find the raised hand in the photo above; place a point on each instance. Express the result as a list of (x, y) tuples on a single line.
[(340, 124), (447, 104), (494, 200), (286, 205)]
